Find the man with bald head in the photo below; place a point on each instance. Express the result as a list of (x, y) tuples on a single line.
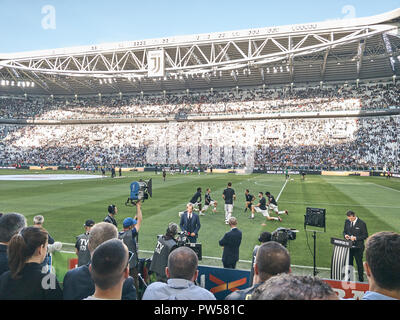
[(78, 283), (272, 259), (181, 272)]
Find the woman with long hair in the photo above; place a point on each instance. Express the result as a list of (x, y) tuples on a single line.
[(26, 279)]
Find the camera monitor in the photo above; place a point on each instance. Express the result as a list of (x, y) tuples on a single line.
[(196, 247), (315, 217)]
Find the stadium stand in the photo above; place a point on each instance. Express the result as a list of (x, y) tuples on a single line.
[(303, 140)]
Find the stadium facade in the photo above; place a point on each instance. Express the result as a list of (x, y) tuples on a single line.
[(336, 50)]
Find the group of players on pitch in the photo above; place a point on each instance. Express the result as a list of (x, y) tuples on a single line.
[(263, 206)]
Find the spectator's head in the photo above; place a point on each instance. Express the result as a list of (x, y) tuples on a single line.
[(272, 258), (38, 220), (265, 237), (100, 233), (182, 264), (267, 193), (260, 195), (229, 184), (88, 225), (198, 189), (28, 245), (10, 224), (129, 223), (110, 265), (112, 209), (232, 222), (290, 287), (382, 265), (247, 191)]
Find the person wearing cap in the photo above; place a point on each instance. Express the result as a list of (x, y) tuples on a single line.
[(82, 240), (129, 235)]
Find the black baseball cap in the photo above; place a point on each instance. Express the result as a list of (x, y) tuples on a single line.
[(89, 223)]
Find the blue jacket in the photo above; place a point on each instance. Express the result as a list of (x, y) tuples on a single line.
[(190, 226), (78, 285)]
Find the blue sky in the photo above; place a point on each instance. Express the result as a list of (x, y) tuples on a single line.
[(23, 26)]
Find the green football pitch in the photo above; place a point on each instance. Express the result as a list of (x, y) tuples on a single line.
[(66, 204)]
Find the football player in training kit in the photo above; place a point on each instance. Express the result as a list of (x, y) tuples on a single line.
[(272, 205), (195, 201), (208, 202), (249, 199), (229, 196), (261, 207)]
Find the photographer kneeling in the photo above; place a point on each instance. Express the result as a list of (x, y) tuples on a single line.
[(165, 244)]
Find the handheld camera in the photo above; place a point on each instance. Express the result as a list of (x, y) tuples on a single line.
[(140, 191)]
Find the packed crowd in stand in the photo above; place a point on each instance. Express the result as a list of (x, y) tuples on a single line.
[(313, 142), (317, 142), (223, 102)]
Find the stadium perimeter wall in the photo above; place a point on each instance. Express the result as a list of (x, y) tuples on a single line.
[(342, 173)]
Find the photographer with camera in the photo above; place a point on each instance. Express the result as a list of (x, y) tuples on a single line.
[(130, 235), (165, 244)]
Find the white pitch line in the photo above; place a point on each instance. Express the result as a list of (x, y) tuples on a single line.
[(277, 198), (340, 204), (388, 188)]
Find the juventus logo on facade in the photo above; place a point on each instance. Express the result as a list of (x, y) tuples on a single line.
[(155, 63)]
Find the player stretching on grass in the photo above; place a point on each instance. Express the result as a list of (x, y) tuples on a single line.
[(208, 202), (195, 201), (249, 200), (261, 207), (272, 205)]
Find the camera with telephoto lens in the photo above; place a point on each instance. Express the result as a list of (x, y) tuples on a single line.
[(283, 235), (140, 191), (182, 240)]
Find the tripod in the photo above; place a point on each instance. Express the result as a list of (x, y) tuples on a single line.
[(314, 236)]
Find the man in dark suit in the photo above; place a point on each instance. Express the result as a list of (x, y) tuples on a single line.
[(190, 222), (231, 243), (356, 230)]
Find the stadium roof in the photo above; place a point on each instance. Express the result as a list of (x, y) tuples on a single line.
[(336, 50)]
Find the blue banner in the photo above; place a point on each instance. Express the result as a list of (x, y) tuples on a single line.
[(221, 282)]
